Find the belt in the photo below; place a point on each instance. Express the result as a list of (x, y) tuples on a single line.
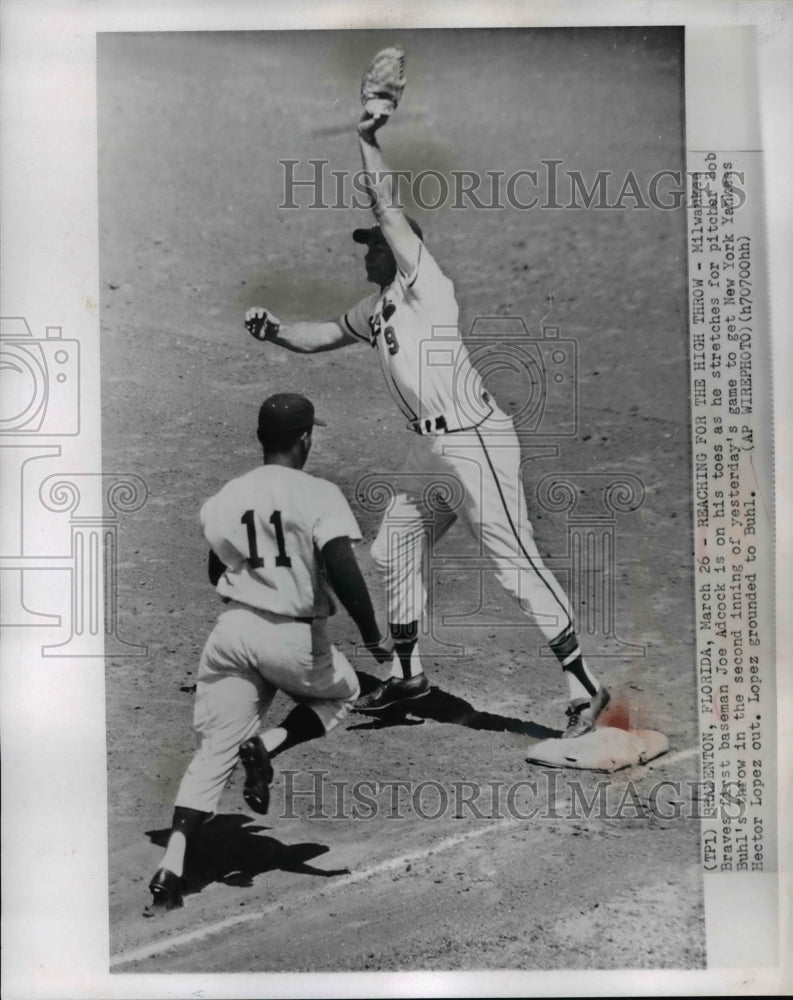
[(440, 425), (265, 611)]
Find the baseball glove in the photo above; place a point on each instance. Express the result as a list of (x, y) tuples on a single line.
[(261, 324), (383, 83)]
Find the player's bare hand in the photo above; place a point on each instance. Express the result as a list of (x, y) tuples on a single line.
[(374, 116), (261, 324), (382, 650)]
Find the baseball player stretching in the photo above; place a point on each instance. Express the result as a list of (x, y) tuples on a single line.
[(459, 433), (276, 533)]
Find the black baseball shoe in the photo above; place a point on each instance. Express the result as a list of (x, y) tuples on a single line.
[(393, 691), (166, 890), (258, 775), (582, 714)]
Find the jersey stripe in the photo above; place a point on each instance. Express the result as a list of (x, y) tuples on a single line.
[(352, 331)]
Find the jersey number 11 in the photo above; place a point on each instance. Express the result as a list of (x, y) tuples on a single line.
[(255, 560)]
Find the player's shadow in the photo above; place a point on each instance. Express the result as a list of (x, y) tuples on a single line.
[(231, 849), (440, 706)]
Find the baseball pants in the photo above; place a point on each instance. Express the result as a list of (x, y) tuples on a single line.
[(478, 472), (248, 656)]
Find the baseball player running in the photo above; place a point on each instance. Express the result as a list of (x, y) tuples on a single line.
[(276, 534), (459, 432)]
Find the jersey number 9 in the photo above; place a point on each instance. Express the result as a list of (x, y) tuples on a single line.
[(390, 339)]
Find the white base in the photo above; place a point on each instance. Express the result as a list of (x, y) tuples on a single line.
[(602, 749)]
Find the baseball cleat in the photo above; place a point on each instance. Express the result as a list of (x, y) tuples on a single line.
[(392, 692), (166, 892), (258, 775), (582, 714)]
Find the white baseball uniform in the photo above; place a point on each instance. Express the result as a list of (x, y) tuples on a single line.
[(268, 527), (460, 435)]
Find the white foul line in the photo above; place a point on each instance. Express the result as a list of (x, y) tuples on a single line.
[(339, 882)]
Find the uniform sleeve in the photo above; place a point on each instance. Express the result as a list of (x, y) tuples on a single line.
[(427, 281), (356, 320), (335, 518)]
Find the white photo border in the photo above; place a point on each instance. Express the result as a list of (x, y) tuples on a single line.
[(55, 919)]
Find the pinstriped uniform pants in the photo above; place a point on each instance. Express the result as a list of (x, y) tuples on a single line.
[(473, 476)]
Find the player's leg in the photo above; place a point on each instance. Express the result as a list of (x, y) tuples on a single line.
[(410, 526), (398, 552), (322, 681), (496, 511), (332, 684), (407, 534), (230, 700)]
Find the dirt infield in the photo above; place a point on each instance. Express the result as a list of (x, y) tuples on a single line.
[(191, 131)]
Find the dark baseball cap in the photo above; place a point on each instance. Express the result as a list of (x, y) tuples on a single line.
[(375, 234), (287, 411)]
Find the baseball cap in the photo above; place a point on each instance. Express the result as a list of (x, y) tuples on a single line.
[(374, 234), (287, 411)]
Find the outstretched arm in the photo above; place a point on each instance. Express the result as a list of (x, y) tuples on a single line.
[(307, 337), (379, 180)]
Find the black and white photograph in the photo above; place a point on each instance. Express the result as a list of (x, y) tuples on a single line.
[(525, 583), (400, 571)]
